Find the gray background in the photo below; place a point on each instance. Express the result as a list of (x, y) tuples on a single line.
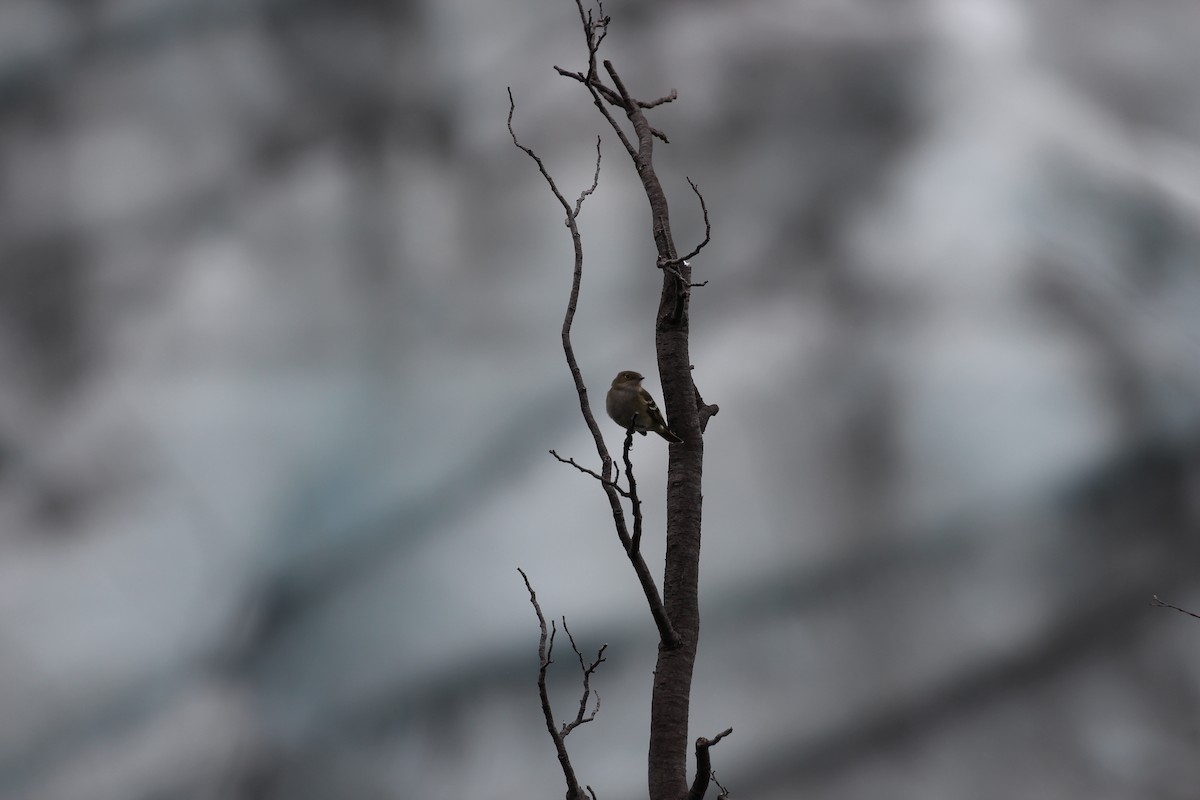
[(279, 311)]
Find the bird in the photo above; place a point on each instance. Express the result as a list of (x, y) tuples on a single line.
[(630, 405)]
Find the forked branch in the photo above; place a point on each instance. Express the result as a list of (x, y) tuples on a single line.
[(677, 262), (704, 770), (545, 651), (593, 473), (587, 669), (658, 611)]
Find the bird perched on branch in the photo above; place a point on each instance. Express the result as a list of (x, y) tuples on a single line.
[(628, 403)]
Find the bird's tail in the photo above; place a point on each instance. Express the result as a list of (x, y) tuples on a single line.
[(668, 434)]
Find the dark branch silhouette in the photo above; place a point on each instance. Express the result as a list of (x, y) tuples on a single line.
[(593, 473), (545, 651), (676, 613), (1154, 601), (587, 669), (607, 479), (675, 263), (704, 770), (634, 502)]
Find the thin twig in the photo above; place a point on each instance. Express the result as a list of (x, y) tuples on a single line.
[(601, 25), (572, 213), (595, 31), (595, 182), (1160, 604), (724, 795), (613, 483), (587, 670), (545, 648), (609, 96), (676, 262), (668, 265)]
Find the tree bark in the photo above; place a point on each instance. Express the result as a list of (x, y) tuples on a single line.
[(671, 696)]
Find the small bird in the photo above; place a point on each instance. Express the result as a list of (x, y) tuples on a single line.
[(628, 402)]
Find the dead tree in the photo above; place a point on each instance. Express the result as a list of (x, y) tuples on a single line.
[(676, 611)]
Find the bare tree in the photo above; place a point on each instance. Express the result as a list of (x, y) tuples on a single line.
[(676, 611)]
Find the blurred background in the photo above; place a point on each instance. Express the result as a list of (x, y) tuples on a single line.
[(279, 337)]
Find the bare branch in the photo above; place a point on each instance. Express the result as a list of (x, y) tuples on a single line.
[(724, 795), (670, 98), (633, 110), (512, 107), (634, 502), (587, 670), (1160, 604), (595, 31), (704, 770), (596, 475), (676, 262), (545, 648), (611, 97), (676, 266), (595, 182), (601, 26), (645, 578), (627, 101)]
